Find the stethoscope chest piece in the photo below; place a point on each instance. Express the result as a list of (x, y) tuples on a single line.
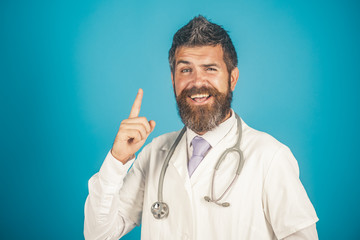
[(160, 210)]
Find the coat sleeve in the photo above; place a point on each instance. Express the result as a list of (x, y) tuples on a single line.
[(114, 204), (309, 233), (286, 204)]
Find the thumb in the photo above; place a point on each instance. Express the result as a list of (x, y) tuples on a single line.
[(152, 124)]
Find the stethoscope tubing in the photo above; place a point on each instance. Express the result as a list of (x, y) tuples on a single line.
[(166, 164)]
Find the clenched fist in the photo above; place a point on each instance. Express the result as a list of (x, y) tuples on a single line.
[(132, 133)]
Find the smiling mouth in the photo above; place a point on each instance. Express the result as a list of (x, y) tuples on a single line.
[(200, 98)]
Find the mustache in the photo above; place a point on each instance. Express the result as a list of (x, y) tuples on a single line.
[(196, 90)]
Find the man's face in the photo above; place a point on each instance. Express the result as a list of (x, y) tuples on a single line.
[(203, 87)]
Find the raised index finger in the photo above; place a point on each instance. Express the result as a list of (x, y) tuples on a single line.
[(135, 110)]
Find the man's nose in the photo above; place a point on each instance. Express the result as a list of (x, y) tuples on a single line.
[(199, 78)]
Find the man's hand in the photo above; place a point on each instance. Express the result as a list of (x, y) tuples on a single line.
[(132, 133)]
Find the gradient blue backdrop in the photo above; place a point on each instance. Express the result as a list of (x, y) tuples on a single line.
[(70, 70)]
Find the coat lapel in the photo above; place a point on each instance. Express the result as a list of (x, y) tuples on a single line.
[(179, 163)]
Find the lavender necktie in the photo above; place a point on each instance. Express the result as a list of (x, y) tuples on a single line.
[(200, 147)]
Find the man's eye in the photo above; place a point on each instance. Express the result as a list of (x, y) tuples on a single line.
[(211, 69), (186, 70)]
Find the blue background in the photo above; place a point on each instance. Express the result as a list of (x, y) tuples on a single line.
[(70, 70)]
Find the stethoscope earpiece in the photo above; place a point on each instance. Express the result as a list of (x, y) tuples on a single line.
[(224, 204)]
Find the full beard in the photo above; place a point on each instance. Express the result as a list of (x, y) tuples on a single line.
[(203, 118)]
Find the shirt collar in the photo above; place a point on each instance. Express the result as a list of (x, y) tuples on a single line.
[(214, 136)]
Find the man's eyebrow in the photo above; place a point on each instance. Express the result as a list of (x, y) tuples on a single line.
[(203, 65), (210, 65), (183, 62)]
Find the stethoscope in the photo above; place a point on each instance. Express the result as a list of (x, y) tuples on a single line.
[(161, 210)]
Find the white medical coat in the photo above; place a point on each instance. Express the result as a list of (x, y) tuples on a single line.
[(267, 201)]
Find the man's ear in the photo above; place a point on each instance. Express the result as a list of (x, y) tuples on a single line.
[(173, 82), (234, 78), (172, 78)]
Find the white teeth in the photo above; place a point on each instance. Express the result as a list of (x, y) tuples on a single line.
[(199, 96)]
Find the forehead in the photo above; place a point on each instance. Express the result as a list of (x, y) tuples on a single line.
[(210, 54)]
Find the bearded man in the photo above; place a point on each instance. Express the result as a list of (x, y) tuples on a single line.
[(215, 179)]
